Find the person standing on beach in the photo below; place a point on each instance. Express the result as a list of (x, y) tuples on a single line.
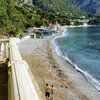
[(52, 92), (47, 92)]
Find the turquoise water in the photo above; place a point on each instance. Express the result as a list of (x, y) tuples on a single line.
[(82, 46)]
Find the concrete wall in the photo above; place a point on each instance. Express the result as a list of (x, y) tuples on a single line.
[(21, 85)]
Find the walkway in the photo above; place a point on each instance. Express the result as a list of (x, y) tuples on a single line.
[(27, 47)]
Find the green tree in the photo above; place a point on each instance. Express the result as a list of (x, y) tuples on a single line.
[(38, 23), (3, 13), (10, 7)]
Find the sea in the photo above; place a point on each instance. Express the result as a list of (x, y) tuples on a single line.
[(80, 46)]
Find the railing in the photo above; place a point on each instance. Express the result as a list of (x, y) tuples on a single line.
[(14, 90), (20, 85), (23, 88)]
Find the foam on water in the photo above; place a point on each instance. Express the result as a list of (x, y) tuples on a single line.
[(85, 25), (88, 77)]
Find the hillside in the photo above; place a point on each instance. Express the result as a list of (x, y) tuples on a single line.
[(61, 6), (72, 9), (19, 15), (16, 17), (90, 6)]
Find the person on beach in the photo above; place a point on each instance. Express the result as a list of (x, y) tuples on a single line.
[(52, 92), (47, 92)]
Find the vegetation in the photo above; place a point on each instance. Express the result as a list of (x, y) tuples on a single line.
[(16, 17), (3, 13), (94, 20), (65, 7)]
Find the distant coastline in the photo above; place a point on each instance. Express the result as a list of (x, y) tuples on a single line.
[(81, 25)]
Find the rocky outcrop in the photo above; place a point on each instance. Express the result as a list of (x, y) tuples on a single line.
[(43, 6), (91, 6), (25, 1)]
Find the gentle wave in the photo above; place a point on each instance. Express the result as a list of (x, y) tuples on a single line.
[(94, 82)]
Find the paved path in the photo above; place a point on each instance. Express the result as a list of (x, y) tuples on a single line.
[(27, 47)]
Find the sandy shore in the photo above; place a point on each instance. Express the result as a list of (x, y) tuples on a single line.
[(47, 67)]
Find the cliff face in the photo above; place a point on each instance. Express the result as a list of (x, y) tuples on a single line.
[(91, 6)]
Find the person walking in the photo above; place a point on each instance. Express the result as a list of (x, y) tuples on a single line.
[(52, 92), (47, 91)]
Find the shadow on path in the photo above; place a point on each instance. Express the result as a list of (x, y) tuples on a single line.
[(3, 82)]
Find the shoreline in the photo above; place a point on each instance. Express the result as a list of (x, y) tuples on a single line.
[(71, 26), (92, 81), (79, 75), (48, 67)]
